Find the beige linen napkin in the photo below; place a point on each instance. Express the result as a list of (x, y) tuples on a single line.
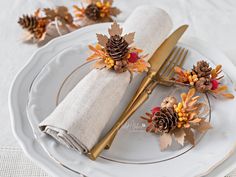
[(81, 117)]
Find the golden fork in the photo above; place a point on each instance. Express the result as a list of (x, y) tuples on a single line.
[(177, 57)]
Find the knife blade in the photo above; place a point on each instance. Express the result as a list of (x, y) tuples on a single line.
[(156, 61)]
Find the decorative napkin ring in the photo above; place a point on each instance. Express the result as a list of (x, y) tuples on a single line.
[(179, 120), (96, 11), (47, 22), (115, 53), (203, 78)]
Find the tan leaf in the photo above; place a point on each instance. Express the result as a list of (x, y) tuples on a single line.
[(165, 141), (102, 39), (99, 64), (129, 38), (114, 11), (189, 136), (203, 126), (179, 135), (115, 29)]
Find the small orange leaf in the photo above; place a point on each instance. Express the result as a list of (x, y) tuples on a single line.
[(228, 95), (100, 64)]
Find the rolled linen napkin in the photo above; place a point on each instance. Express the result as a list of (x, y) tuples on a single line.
[(80, 118)]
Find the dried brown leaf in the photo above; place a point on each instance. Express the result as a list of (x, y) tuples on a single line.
[(102, 39), (203, 126), (50, 13), (165, 141), (179, 135), (189, 136), (115, 29), (129, 38), (114, 11)]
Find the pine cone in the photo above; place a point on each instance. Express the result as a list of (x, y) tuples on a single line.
[(120, 66), (117, 47), (202, 69), (203, 84), (28, 22), (92, 12), (165, 120)]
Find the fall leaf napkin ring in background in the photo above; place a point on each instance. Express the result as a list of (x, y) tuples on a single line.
[(178, 120), (48, 23), (115, 52), (203, 78), (51, 22), (96, 11)]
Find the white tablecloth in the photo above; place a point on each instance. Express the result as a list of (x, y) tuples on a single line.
[(210, 20)]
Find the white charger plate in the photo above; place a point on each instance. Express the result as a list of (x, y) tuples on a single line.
[(101, 167)]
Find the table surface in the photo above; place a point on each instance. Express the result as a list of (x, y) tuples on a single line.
[(209, 20)]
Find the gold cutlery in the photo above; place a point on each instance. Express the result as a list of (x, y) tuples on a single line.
[(147, 85)]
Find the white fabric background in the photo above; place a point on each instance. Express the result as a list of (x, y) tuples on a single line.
[(210, 20)]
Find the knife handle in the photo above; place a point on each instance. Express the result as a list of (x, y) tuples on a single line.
[(100, 146)]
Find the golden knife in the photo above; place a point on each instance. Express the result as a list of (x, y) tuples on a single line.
[(143, 91)]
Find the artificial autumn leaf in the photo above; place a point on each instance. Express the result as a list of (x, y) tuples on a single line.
[(189, 136), (109, 1), (179, 136), (50, 13), (100, 64), (114, 11), (196, 120), (165, 141), (139, 66), (203, 126), (115, 29), (129, 38), (228, 95), (102, 39)]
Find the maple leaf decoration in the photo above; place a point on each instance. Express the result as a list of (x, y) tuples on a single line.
[(96, 10), (60, 13), (114, 52), (178, 120), (204, 79)]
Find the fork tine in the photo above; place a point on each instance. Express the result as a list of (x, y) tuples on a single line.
[(171, 64), (169, 57), (184, 57), (166, 65), (180, 60)]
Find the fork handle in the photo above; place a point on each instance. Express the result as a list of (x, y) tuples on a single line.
[(98, 148)]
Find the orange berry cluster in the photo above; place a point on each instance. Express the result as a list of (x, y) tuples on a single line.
[(182, 116)]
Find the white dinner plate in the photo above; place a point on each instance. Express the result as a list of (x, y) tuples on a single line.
[(56, 78)]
